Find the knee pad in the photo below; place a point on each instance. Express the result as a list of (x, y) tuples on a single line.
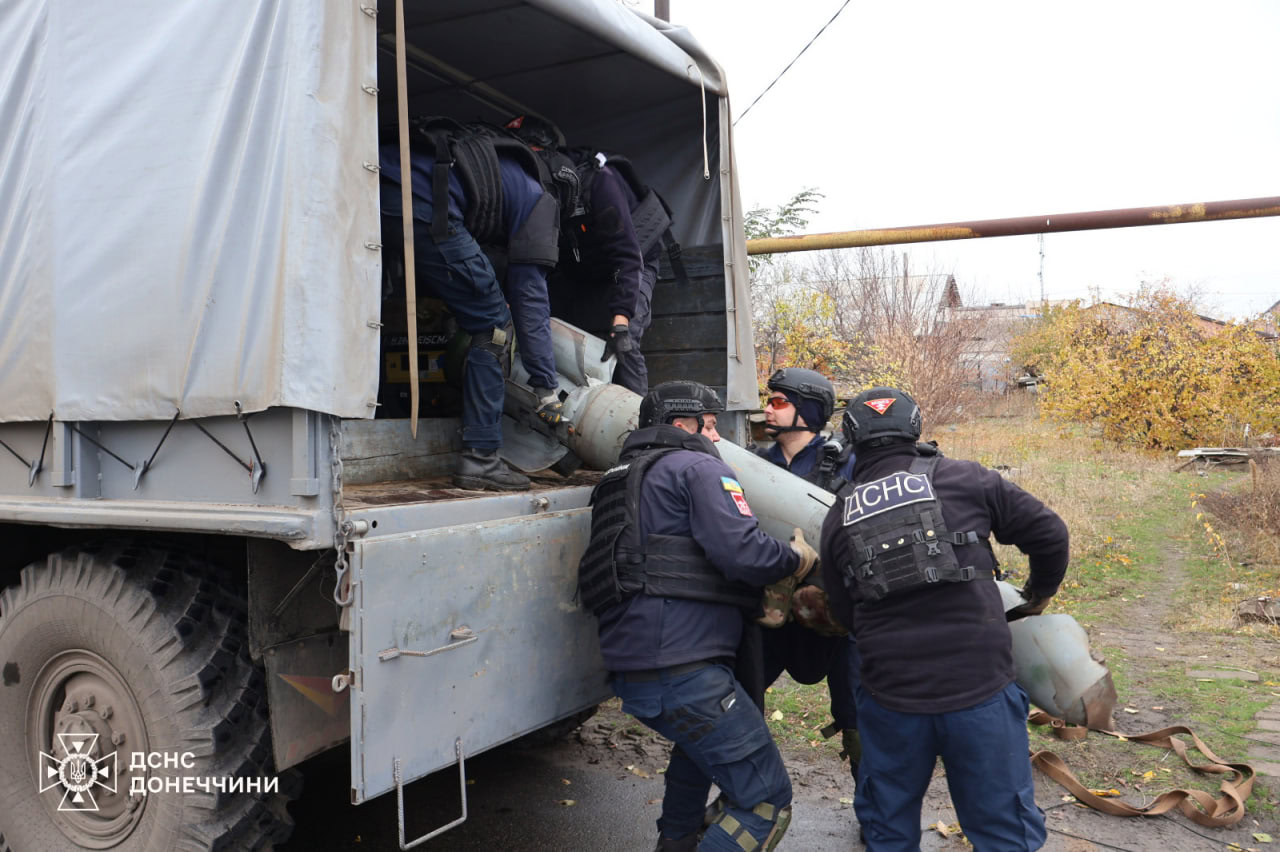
[(780, 817), (497, 342)]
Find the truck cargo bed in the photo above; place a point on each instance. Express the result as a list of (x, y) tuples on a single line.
[(403, 492)]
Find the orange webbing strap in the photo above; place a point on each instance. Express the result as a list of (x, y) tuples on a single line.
[(1197, 805)]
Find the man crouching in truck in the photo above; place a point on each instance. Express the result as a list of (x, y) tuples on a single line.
[(675, 559)]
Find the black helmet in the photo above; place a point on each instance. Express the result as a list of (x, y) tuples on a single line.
[(881, 413), (536, 131), (669, 400), (806, 385)]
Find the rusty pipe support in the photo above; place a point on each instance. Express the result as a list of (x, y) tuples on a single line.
[(1202, 211)]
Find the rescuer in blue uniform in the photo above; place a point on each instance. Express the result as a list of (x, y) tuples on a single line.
[(614, 236), (671, 571), (799, 405), (455, 268), (908, 564)]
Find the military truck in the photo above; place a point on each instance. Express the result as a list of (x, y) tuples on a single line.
[(221, 559)]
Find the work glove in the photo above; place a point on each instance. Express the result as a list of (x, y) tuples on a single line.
[(852, 750), (550, 409), (1034, 606), (776, 603), (619, 341), (808, 556), (810, 608)]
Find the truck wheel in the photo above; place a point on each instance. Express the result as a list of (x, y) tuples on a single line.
[(119, 648)]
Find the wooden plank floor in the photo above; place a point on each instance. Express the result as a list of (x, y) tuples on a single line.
[(401, 492)]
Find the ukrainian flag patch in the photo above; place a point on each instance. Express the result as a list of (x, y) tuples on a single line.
[(730, 484)]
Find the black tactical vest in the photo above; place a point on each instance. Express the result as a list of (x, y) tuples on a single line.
[(472, 149), (650, 218), (897, 535), (617, 565), (831, 458)]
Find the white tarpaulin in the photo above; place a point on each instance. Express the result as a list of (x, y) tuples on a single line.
[(184, 208), (188, 188)]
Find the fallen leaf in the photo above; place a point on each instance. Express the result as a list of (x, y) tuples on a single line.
[(568, 803), (1157, 708), (1158, 648), (1130, 710), (635, 770), (1106, 794), (1262, 837), (776, 716), (1068, 798), (565, 781), (941, 828), (655, 801), (1148, 775), (846, 800)]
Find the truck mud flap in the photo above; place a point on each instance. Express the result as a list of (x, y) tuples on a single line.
[(463, 638)]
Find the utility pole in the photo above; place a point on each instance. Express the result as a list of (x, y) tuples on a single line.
[(662, 9), (1042, 272)]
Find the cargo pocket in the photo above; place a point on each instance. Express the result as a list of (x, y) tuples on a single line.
[(740, 752)]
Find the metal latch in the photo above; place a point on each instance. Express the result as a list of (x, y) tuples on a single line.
[(458, 637)]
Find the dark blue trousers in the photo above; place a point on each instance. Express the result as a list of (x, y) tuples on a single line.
[(457, 271), (719, 736), (631, 371), (984, 750)]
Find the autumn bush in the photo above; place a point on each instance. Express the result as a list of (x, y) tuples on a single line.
[(1153, 373)]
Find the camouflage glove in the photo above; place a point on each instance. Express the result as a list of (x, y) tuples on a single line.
[(810, 608), (1034, 606), (808, 556), (776, 603), (550, 409)]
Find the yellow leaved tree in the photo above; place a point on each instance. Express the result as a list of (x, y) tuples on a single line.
[(1153, 372)]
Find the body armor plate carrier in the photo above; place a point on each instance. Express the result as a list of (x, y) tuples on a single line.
[(898, 537), (617, 566)]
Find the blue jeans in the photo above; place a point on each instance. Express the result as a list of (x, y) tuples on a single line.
[(719, 737), (457, 271), (984, 750)]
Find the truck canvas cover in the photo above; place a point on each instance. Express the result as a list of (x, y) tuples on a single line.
[(188, 190)]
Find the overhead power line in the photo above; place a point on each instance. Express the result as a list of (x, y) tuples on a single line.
[(792, 62)]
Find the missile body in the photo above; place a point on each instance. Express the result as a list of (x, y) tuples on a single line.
[(1051, 652)]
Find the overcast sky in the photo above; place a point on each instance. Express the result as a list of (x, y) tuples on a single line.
[(923, 112)]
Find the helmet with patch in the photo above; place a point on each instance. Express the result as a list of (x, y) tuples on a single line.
[(669, 400), (536, 131), (880, 416), (801, 385)]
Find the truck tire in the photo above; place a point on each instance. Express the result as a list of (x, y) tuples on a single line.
[(123, 647)]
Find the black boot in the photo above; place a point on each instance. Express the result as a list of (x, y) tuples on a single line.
[(686, 844), (482, 470)]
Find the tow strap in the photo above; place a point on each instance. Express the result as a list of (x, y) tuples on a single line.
[(1196, 805)]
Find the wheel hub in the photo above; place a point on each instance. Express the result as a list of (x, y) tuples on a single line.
[(87, 723)]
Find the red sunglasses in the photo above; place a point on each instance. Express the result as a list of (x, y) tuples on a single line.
[(778, 403)]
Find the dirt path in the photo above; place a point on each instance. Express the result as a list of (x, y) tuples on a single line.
[(1150, 648)]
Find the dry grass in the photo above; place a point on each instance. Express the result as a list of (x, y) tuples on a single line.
[(1252, 510)]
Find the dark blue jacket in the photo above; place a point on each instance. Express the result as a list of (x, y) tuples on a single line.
[(525, 284), (687, 493), (947, 646), (608, 243), (804, 463)]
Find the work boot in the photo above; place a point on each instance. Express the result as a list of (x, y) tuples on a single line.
[(482, 470), (686, 844)]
